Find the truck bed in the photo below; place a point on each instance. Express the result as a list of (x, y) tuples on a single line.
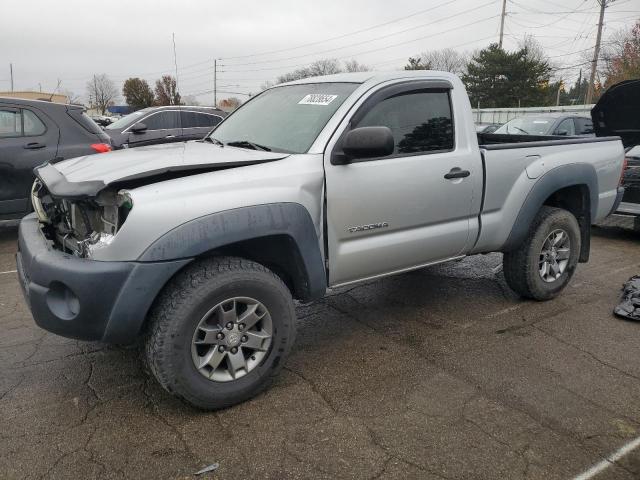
[(493, 141), (514, 163)]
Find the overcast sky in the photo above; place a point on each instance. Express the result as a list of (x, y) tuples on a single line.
[(71, 40)]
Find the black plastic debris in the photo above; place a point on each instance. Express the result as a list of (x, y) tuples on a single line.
[(629, 306)]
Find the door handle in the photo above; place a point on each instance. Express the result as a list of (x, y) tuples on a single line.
[(170, 136), (34, 146), (457, 172)]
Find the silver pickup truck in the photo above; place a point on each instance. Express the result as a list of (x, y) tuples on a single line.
[(200, 248)]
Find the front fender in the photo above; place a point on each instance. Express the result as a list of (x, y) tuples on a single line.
[(217, 230)]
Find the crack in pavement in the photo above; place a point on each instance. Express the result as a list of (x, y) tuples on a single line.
[(586, 352), (486, 393), (155, 411)]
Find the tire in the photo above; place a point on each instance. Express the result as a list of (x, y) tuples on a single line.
[(177, 338), (523, 267)]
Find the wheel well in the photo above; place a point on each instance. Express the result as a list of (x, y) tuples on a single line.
[(279, 253), (576, 200)]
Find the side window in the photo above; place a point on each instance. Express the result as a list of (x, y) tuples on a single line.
[(206, 120), (32, 124), (584, 126), (198, 120), (10, 123), (421, 121), (188, 119), (162, 121), (565, 128)]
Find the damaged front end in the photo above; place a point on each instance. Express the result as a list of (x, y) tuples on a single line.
[(81, 226)]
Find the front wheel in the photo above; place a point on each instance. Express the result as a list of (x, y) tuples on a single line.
[(545, 262), (220, 332)]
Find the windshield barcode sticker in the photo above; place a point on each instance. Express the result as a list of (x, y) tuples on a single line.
[(317, 99)]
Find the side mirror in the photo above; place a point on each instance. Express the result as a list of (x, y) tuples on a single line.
[(562, 132), (368, 142), (139, 128)]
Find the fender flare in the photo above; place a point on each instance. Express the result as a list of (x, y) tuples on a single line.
[(217, 230), (552, 181)]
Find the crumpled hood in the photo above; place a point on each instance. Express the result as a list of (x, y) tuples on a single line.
[(617, 112), (86, 176)]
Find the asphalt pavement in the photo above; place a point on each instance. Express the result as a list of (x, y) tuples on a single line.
[(441, 373)]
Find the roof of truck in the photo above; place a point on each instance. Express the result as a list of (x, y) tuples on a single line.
[(374, 77)]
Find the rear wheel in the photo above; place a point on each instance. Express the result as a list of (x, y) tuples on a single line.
[(545, 262), (220, 332)]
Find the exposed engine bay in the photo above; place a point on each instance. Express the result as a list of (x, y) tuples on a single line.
[(80, 226)]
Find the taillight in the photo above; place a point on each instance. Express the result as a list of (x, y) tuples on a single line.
[(101, 147), (625, 164)]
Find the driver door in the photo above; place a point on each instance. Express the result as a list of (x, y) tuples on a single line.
[(399, 212)]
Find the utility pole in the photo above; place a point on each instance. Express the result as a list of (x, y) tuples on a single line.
[(579, 87), (215, 86), (596, 51), (11, 70), (504, 14), (558, 94), (175, 63)]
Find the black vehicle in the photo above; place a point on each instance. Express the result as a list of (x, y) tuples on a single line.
[(631, 183), (154, 125), (617, 113), (33, 132), (561, 124)]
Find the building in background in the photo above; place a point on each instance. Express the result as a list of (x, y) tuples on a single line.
[(31, 95)]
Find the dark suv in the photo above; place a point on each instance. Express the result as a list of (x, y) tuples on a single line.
[(33, 132), (154, 125)]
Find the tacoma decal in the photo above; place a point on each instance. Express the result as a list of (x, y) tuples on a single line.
[(371, 226)]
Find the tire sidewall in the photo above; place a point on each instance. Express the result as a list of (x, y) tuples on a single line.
[(563, 220), (190, 382)]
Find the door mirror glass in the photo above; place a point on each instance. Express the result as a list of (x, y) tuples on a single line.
[(368, 142), (139, 128)]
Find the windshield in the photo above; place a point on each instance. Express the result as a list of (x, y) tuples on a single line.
[(527, 126), (126, 120), (286, 119)]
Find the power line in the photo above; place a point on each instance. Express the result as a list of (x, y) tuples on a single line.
[(375, 49), (440, 20), (420, 12), (397, 59)]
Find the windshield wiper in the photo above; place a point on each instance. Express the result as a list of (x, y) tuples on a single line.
[(247, 144), (522, 130), (214, 140)]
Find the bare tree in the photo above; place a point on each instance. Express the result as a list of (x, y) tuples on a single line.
[(416, 63), (326, 66), (446, 60), (167, 91), (102, 92), (354, 66), (71, 97)]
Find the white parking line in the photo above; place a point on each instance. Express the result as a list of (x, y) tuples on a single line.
[(610, 460), (9, 271)]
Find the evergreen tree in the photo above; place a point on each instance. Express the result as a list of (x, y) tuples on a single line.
[(496, 78)]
